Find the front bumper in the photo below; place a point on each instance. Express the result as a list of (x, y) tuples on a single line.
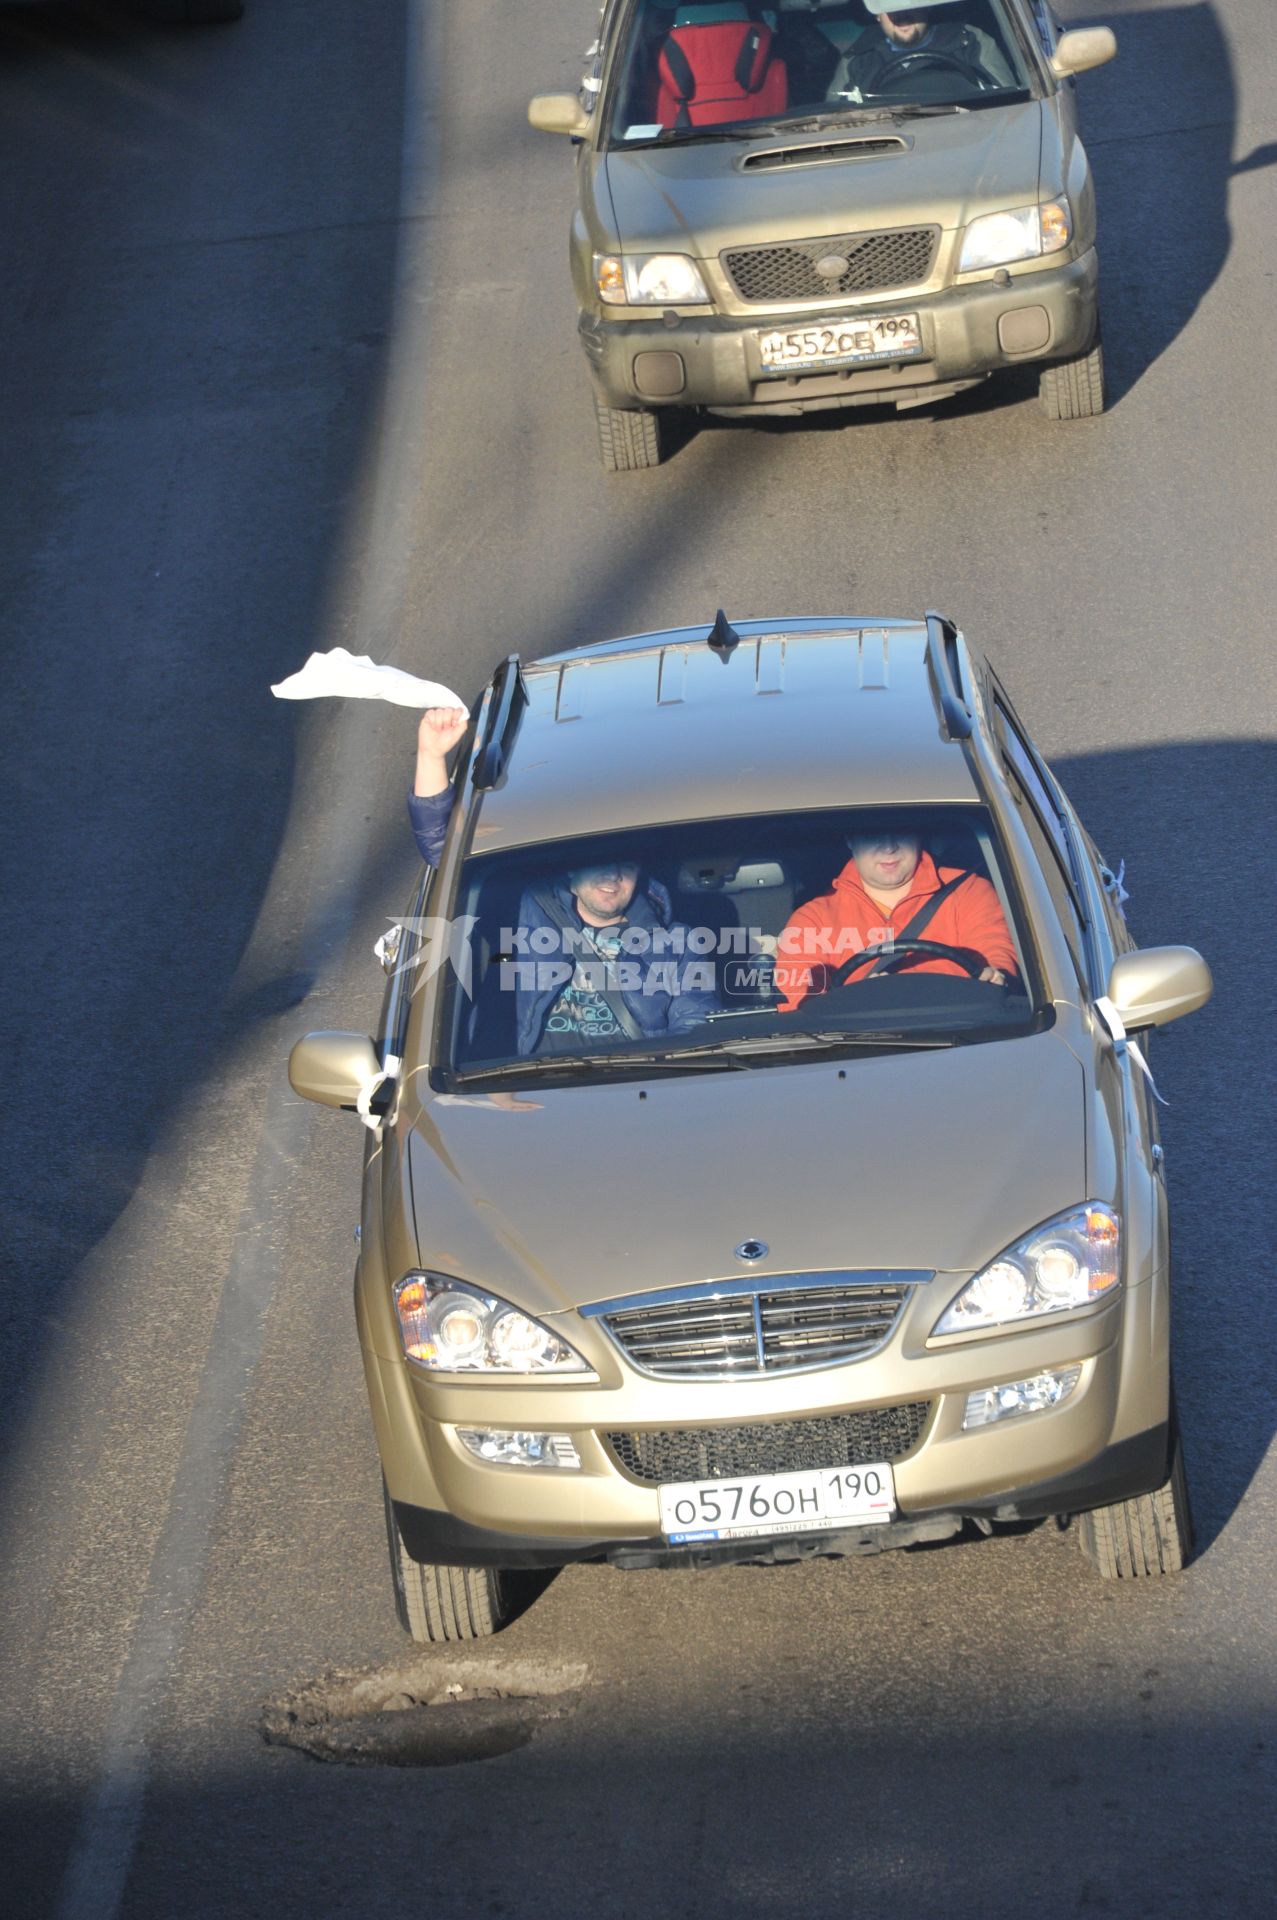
[(712, 361), (1106, 1441), (1123, 1471)]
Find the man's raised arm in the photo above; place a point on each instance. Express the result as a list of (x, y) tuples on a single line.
[(430, 802)]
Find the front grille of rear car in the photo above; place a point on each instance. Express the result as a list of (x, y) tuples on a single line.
[(795, 1321), (777, 1446), (876, 262)]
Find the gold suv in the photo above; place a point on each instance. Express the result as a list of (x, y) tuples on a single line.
[(762, 1158), (813, 204)]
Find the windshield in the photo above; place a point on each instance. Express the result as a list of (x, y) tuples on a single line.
[(734, 943), (730, 68)]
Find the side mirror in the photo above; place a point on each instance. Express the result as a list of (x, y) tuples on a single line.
[(333, 1068), (558, 113), (1082, 49), (1155, 985)]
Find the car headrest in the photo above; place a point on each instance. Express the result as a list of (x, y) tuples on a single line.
[(956, 847), (712, 12)]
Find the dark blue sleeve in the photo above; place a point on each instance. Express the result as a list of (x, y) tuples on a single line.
[(429, 818), (689, 1008)]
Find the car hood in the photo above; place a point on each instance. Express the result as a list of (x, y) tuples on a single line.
[(695, 199), (556, 1197)]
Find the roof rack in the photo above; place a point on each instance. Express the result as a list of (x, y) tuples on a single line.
[(942, 664), (506, 705)]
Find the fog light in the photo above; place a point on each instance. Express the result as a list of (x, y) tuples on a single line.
[(1020, 1396), (507, 1449)]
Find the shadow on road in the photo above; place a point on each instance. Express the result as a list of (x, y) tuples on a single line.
[(1169, 811), (199, 301), (1159, 125), (771, 1798)]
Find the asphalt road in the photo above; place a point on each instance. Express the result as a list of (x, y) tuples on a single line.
[(289, 365)]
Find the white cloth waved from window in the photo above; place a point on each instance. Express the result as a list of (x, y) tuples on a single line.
[(354, 676)]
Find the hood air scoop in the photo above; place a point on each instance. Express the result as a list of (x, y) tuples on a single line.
[(822, 152)]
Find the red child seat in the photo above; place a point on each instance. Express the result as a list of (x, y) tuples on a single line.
[(722, 70)]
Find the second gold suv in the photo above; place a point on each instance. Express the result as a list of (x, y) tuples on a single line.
[(822, 204)]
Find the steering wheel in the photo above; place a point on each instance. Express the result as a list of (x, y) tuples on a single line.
[(906, 63), (905, 952)]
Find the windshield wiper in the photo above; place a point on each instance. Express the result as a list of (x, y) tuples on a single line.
[(549, 1064), (854, 115), (680, 136), (849, 116), (928, 112), (734, 1052), (743, 1047), (804, 1038)]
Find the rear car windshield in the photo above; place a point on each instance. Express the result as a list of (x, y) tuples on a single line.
[(718, 68), (740, 941)]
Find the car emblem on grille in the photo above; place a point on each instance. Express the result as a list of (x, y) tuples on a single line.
[(832, 266), (752, 1250)]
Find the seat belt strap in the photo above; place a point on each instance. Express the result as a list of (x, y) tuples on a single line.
[(922, 919)]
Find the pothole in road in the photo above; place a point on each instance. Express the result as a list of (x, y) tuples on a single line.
[(422, 1714)]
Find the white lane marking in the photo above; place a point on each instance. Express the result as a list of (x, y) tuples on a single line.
[(102, 1850)]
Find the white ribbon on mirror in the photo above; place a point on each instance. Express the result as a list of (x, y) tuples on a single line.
[(364, 1098), (1122, 1043), (1114, 886)]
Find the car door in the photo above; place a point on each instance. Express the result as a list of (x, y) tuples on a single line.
[(1093, 893)]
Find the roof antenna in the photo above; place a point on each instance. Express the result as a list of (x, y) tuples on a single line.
[(723, 637)]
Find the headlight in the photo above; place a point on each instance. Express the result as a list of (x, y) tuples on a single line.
[(453, 1328), (1023, 234), (1069, 1262), (649, 280)]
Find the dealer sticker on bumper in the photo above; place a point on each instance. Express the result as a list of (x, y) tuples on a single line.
[(807, 1502), (841, 343)]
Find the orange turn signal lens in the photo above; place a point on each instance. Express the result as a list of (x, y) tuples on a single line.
[(609, 278), (1102, 1234), (1057, 227), (412, 1297)]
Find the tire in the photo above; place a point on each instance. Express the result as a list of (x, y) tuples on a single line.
[(1074, 389), (444, 1603), (628, 440), (1150, 1535)]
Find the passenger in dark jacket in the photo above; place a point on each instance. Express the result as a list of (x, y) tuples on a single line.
[(623, 968)]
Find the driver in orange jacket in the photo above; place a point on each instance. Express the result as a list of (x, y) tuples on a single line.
[(882, 888)]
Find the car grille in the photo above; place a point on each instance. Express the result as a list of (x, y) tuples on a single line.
[(778, 1446), (757, 1331), (875, 263)]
